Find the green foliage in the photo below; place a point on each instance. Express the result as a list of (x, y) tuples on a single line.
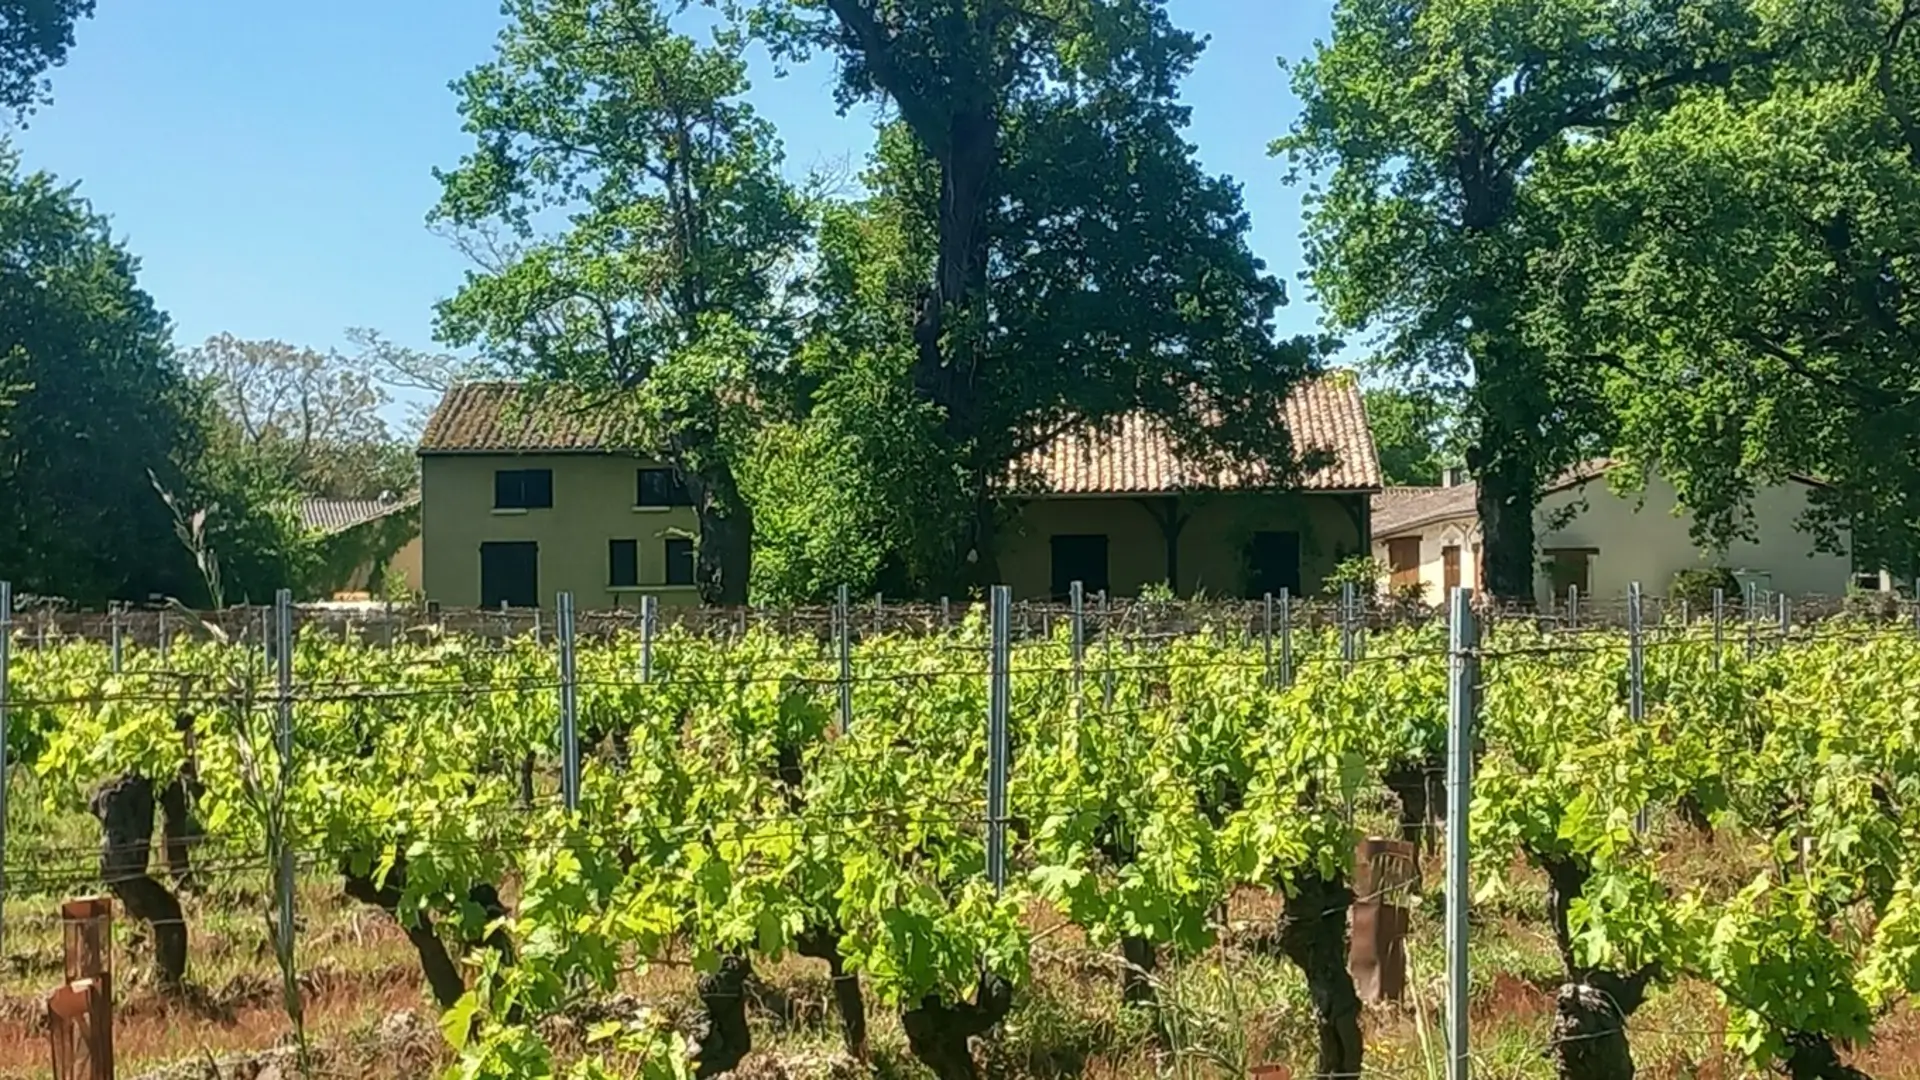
[(1742, 268), (34, 36), (1061, 259), (1363, 572), (1696, 587), (1412, 431), (101, 411), (661, 292), (1426, 126)]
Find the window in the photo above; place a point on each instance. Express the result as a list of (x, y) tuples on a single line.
[(1274, 561), (1082, 558), (680, 561), (522, 489), (1403, 562), (660, 487), (1570, 568), (510, 574), (1450, 568), (623, 563)]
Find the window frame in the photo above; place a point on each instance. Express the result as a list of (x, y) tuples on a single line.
[(676, 494), (680, 552), (519, 496), (615, 564)]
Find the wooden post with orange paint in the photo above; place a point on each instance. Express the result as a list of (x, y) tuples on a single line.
[(80, 1014)]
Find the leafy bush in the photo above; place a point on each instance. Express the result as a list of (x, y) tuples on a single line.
[(1695, 587)]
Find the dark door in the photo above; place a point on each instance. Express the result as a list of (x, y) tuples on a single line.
[(1274, 562), (1082, 558), (510, 573)]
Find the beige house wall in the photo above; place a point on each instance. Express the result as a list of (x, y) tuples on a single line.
[(593, 502), (1648, 542), (1435, 538), (1212, 543), (404, 565)]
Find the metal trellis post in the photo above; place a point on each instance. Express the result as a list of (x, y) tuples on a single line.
[(113, 622), (569, 717), (1748, 610), (843, 647), (1346, 623), (1786, 619), (283, 742), (1286, 637), (649, 612), (1462, 677), (1719, 624), (6, 656), (1106, 649), (1636, 674), (998, 699), (1573, 607), (1266, 639), (1077, 600)]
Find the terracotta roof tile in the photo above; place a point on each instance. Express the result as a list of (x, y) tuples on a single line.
[(1398, 509), (1139, 457), (1325, 415), (328, 516), (505, 417)]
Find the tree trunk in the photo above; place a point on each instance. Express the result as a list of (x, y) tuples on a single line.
[(727, 1040), (1505, 502), (125, 808), (821, 944), (1812, 1057), (1591, 1010), (1409, 782), (488, 898), (443, 975), (1313, 934), (1136, 977), (180, 831), (938, 1033), (724, 570)]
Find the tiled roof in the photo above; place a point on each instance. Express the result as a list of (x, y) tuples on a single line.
[(1326, 415), (1399, 509), (328, 516), (505, 417), (1139, 457)]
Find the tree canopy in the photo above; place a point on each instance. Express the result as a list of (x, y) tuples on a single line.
[(661, 288), (1079, 264), (1427, 126), (1745, 272), (34, 36)]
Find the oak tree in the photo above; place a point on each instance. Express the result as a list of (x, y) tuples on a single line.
[(647, 232)]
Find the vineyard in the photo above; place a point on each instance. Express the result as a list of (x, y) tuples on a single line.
[(1724, 819)]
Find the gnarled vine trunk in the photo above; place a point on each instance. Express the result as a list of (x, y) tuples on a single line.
[(938, 1033), (1136, 974), (1592, 1007), (125, 808), (824, 944), (1313, 934), (443, 975), (727, 1039), (180, 831), (1812, 1057)]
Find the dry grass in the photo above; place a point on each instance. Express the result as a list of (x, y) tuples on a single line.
[(1223, 1012)]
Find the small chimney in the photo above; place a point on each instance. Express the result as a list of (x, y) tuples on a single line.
[(1453, 476)]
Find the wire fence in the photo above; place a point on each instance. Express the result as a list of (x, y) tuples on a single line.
[(1109, 639)]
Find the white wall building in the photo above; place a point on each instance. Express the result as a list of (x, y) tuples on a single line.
[(1605, 540)]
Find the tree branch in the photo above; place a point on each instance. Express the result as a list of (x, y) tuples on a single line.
[(876, 46)]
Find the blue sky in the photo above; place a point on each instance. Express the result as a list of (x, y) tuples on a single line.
[(270, 163)]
